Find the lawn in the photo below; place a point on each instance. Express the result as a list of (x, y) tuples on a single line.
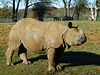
[(78, 60)]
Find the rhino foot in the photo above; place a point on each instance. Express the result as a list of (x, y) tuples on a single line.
[(58, 67), (27, 63), (10, 64), (51, 69)]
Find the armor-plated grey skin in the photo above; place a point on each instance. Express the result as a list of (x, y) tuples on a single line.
[(40, 37)]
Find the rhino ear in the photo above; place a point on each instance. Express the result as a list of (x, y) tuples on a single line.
[(70, 24), (81, 31)]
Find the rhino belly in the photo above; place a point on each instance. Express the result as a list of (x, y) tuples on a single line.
[(32, 42)]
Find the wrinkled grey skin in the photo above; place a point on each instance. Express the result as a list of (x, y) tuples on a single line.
[(40, 37)]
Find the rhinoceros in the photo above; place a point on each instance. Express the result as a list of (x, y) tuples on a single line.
[(40, 37)]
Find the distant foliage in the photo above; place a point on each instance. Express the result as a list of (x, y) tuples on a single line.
[(40, 8), (6, 12)]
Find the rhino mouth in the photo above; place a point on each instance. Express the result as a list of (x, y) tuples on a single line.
[(83, 40)]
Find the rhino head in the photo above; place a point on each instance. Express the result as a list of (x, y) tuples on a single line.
[(73, 36)]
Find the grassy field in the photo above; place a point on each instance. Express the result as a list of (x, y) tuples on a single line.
[(78, 60)]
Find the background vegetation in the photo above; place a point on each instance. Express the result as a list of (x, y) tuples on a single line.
[(46, 9)]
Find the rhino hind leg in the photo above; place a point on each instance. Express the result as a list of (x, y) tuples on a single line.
[(9, 53), (22, 53), (13, 44)]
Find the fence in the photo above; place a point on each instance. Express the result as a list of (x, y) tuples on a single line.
[(9, 20)]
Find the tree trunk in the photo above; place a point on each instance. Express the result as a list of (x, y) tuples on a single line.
[(92, 12), (94, 16), (96, 10), (13, 11), (17, 10), (65, 7), (78, 14), (69, 8), (26, 8)]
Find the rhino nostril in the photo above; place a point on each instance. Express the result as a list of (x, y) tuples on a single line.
[(82, 38)]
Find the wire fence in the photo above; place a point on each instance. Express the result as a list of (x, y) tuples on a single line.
[(9, 20)]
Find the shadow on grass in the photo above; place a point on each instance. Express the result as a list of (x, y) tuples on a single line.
[(80, 59), (32, 60), (74, 58)]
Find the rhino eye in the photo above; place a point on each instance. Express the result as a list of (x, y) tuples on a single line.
[(74, 35)]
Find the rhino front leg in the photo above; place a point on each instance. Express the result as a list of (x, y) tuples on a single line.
[(9, 53), (58, 55), (51, 56), (57, 60), (22, 53)]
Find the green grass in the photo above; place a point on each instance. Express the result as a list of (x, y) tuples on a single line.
[(81, 60)]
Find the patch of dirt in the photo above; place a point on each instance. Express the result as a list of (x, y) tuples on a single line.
[(94, 38), (4, 32), (93, 35)]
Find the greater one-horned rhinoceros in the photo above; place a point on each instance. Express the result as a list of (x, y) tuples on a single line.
[(42, 37)]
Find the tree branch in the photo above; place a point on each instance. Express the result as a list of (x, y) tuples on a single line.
[(17, 6), (26, 8), (65, 5), (10, 2), (69, 8), (31, 4), (75, 8)]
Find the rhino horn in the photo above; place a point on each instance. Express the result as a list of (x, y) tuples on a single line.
[(81, 31)]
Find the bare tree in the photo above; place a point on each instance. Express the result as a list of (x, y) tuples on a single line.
[(26, 8), (67, 14), (94, 15), (75, 8), (96, 9), (15, 10), (65, 7), (27, 5), (69, 3), (36, 2), (92, 12), (4, 3)]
